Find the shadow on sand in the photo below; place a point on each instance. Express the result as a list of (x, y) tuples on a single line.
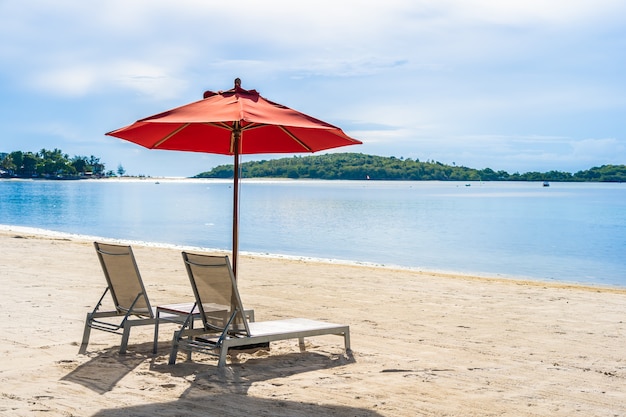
[(202, 404), (105, 369), (213, 390), (237, 378)]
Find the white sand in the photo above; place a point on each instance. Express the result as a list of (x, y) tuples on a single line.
[(424, 344)]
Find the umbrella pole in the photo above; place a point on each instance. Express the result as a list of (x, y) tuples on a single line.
[(235, 253)]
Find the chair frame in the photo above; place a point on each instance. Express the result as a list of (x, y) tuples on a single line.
[(130, 316), (184, 314), (217, 341)]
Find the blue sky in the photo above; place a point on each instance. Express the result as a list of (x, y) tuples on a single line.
[(518, 85)]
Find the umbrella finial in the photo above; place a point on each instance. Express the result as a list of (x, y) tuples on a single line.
[(236, 89)]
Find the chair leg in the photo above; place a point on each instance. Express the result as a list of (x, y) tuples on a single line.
[(346, 340), (223, 352), (191, 323), (174, 351), (125, 335), (86, 333), (156, 334), (301, 344)]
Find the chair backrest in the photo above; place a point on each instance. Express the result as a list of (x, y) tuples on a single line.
[(215, 290), (123, 278)]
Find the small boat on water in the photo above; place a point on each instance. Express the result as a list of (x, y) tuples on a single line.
[(546, 184)]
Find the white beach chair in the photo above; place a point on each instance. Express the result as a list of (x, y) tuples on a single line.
[(222, 314)]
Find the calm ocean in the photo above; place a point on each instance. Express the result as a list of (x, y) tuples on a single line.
[(569, 232)]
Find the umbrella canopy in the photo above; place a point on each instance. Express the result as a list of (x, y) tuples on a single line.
[(212, 124), (234, 122)]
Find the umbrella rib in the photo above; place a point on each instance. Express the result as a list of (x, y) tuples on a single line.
[(253, 126), (221, 125), (159, 143), (292, 136)]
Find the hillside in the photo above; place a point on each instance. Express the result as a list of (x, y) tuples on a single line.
[(357, 166)]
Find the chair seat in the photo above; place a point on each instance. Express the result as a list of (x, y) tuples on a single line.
[(295, 328)]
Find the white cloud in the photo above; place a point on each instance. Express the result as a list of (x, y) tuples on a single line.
[(72, 81), (564, 12), (523, 153), (150, 80), (607, 149)]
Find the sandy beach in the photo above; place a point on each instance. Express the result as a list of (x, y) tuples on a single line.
[(423, 344)]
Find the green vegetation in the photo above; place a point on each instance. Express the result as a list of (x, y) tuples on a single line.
[(52, 164), (356, 166)]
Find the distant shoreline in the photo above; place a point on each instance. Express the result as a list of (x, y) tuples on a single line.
[(283, 179), (51, 234)]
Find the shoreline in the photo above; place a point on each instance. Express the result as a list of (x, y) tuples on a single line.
[(284, 179), (46, 233)]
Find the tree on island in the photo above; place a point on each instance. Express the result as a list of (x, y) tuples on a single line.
[(49, 164)]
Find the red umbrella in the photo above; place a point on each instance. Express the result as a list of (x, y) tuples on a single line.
[(234, 122)]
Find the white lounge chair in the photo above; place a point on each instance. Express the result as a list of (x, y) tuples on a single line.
[(221, 311)]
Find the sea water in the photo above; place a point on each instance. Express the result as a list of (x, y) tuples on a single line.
[(568, 232)]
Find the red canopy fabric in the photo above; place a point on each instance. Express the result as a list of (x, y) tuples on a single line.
[(208, 125)]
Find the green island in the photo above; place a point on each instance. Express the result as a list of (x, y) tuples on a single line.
[(357, 166), (54, 164)]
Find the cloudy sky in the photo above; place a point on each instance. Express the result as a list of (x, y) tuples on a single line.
[(517, 85)]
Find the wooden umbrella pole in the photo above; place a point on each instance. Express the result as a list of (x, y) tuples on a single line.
[(236, 140)]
